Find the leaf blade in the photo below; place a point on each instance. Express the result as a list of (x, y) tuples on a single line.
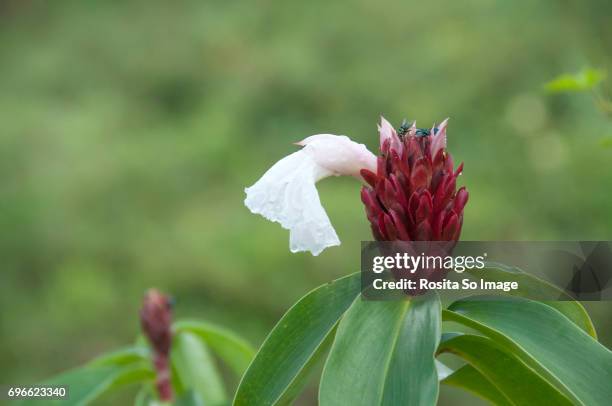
[(506, 372), (530, 287), (89, 382), (545, 340), (196, 369), (406, 333), (584, 80), (468, 378), (282, 363), (231, 348)]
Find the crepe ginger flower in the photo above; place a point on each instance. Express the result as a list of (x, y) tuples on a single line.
[(402, 200)]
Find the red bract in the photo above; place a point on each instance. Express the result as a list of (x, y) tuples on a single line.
[(413, 194)]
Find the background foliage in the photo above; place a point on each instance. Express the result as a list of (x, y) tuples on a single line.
[(128, 132)]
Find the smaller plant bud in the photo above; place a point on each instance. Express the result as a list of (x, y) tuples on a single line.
[(156, 320)]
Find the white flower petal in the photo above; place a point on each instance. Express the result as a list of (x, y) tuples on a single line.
[(286, 193), (339, 154)]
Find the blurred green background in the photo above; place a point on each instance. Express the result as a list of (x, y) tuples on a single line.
[(128, 132)]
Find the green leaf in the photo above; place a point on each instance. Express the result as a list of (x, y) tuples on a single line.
[(195, 369), (531, 287), (383, 354), (546, 341), (511, 376), (107, 372), (89, 382), (233, 350), (301, 380), (123, 356), (284, 360), (468, 378), (586, 79)]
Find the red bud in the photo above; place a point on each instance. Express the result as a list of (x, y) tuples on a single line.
[(413, 196)]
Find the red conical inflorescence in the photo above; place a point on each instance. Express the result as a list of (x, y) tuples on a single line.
[(413, 194)]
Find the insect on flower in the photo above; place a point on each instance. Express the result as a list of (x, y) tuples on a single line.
[(403, 129)]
